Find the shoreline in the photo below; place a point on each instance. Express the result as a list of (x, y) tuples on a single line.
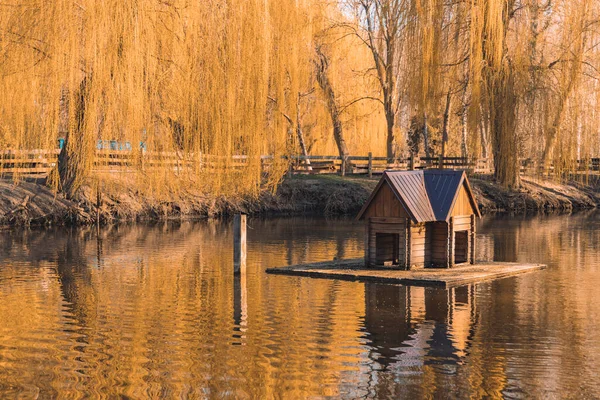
[(32, 203)]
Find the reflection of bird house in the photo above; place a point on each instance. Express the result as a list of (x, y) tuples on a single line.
[(420, 218)]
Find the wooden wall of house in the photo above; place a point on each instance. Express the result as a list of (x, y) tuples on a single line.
[(463, 205), (377, 225), (385, 204), (465, 249), (461, 223), (437, 244), (461, 246), (417, 242)]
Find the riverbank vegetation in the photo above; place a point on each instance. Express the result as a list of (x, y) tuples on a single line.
[(32, 203), (499, 79)]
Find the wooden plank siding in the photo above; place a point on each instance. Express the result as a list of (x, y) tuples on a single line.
[(465, 250), (376, 251), (462, 223), (417, 245), (438, 245), (462, 205), (473, 237), (385, 204)]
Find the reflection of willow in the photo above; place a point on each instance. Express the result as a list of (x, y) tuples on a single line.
[(314, 236), (156, 304), (75, 278), (79, 294), (400, 320), (548, 303)]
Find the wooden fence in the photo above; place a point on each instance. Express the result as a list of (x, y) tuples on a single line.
[(38, 163), (28, 162)]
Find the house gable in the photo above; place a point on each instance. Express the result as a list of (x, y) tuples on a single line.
[(464, 202), (384, 203)]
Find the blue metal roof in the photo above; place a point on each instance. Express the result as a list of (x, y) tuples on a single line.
[(442, 188)]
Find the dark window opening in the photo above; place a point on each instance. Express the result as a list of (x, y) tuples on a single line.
[(387, 251), (461, 247)]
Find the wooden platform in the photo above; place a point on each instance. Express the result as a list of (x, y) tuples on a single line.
[(354, 270)]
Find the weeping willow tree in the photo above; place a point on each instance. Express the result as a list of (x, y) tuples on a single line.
[(209, 80), (186, 78), (566, 72), (517, 67), (527, 59)]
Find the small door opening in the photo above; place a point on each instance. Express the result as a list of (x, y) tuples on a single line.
[(386, 245), (461, 247)]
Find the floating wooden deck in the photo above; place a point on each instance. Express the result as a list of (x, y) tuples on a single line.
[(354, 270)]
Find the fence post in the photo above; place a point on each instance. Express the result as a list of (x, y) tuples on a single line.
[(239, 243), (441, 162), (411, 162), (343, 171), (370, 165)]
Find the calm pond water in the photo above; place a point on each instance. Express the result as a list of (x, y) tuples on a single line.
[(154, 311)]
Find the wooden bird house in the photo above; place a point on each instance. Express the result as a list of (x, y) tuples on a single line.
[(420, 219)]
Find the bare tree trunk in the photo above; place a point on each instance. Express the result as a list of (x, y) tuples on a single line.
[(464, 122), (498, 76), (390, 140), (503, 129), (73, 157), (484, 141), (426, 136), (484, 133), (300, 135), (321, 67), (445, 123), (553, 129), (464, 149), (382, 21)]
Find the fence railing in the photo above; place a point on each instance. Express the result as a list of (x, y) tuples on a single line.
[(28, 162), (376, 165), (39, 163)]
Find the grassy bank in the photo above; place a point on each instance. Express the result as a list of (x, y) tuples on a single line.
[(32, 203)]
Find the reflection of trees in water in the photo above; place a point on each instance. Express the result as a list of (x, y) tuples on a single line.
[(308, 239), (526, 335), (75, 276), (555, 305), (157, 303)]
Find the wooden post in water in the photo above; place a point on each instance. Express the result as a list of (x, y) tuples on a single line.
[(239, 243), (370, 165), (240, 306)]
